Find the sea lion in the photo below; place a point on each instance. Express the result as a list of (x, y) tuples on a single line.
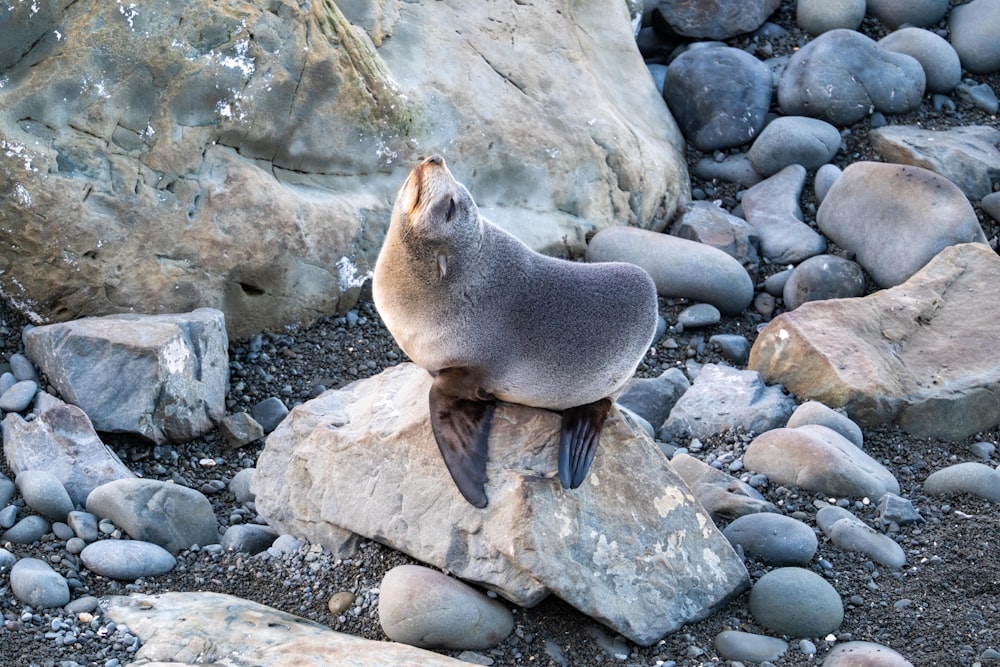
[(493, 320)]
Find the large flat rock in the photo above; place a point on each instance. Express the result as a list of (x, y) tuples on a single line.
[(924, 354), (631, 547)]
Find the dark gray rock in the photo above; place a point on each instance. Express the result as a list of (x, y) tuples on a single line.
[(26, 531), (43, 492), (269, 413), (747, 646), (772, 208), (718, 19), (819, 16), (248, 538), (775, 539), (653, 398), (722, 495), (789, 140), (894, 13), (796, 602), (712, 225), (823, 277)]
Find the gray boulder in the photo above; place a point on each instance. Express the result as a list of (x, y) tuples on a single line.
[(162, 377), (716, 19), (363, 459), (245, 156)]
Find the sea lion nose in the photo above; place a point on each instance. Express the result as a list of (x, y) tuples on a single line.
[(435, 159)]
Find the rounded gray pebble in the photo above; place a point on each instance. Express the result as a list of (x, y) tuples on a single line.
[(775, 539), (7, 490), (870, 654), (127, 560), (269, 413), (815, 412), (733, 346), (942, 68), (44, 493), (35, 583), (749, 647), (823, 277), (991, 205), (75, 545), (239, 485), (796, 602), (8, 516), (84, 524), (894, 13), (18, 397), (825, 176), (248, 538), (970, 477), (85, 604), (699, 315), (852, 534), (22, 368), (789, 140), (7, 560), (974, 35), (26, 531)]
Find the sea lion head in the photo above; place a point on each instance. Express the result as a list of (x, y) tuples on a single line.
[(434, 207)]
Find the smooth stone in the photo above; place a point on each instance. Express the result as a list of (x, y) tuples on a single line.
[(816, 458), (7, 380), (7, 560), (796, 602), (864, 654), (62, 531), (169, 515), (942, 68), (28, 530), (708, 223), (22, 368), (239, 486), (19, 396), (747, 646), (772, 208), (240, 429), (894, 13), (842, 75), (971, 477), (127, 560), (775, 283), (248, 538), (720, 19), (426, 608), (718, 95), (44, 493), (991, 205), (731, 169), (896, 218), (852, 534), (819, 16), (823, 181), (8, 516), (269, 413), (653, 398), (814, 412), (982, 449), (981, 96), (973, 29), (967, 156), (789, 140), (84, 525), (775, 539), (7, 490), (36, 584), (721, 494), (679, 267), (698, 316), (722, 398), (823, 277), (734, 347), (223, 626), (82, 605)]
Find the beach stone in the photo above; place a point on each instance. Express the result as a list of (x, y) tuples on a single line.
[(698, 316), (239, 485), (819, 16), (731, 169), (269, 413), (7, 560), (719, 96), (734, 347), (62, 441), (36, 584), (21, 367), (789, 140), (981, 96), (894, 13), (942, 68), (816, 458), (170, 515), (723, 398), (775, 539), (973, 29), (211, 628), (868, 654), (426, 608), (18, 396), (749, 647), (162, 377), (533, 538), (653, 398), (43, 492), (991, 205), (873, 355), (814, 412), (127, 560), (723, 496), (679, 267), (28, 530), (971, 477), (967, 156), (704, 222), (796, 602), (84, 525), (7, 487), (823, 277), (718, 19), (898, 510), (843, 75), (772, 209), (825, 176), (8, 516), (896, 218), (240, 429), (248, 538), (852, 534)]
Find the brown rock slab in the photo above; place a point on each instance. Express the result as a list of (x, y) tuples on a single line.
[(923, 354)]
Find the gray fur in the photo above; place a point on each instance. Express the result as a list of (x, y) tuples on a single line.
[(541, 331)]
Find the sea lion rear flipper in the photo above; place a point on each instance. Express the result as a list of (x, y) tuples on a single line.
[(460, 419), (581, 430)]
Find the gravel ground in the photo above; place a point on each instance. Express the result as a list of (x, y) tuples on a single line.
[(942, 608)]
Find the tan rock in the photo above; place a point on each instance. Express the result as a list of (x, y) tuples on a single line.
[(923, 354), (631, 548)]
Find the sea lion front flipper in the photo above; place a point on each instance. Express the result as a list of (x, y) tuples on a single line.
[(581, 430), (460, 419)]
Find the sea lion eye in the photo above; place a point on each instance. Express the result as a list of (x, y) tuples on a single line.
[(451, 209)]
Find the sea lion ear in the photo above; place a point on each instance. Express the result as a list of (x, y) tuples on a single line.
[(442, 260)]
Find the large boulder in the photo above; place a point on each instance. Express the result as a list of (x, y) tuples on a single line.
[(631, 548), (245, 156), (923, 354)]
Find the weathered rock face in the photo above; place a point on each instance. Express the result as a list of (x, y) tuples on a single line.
[(924, 354), (631, 547), (177, 155)]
